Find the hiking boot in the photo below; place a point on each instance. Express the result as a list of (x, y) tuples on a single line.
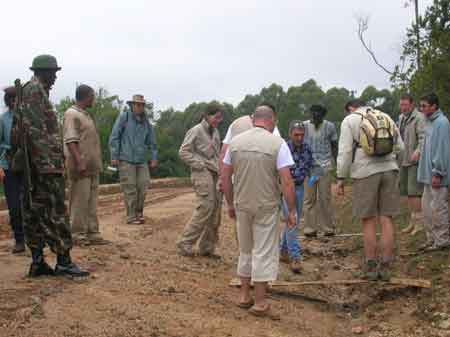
[(425, 246), (184, 251), (295, 266), (435, 248), (65, 267), (18, 248), (96, 239), (329, 232), (210, 255), (309, 232), (284, 257), (384, 273), (369, 271), (40, 269), (141, 219)]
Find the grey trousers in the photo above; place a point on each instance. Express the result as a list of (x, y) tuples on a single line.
[(435, 214), (134, 180), (83, 205)]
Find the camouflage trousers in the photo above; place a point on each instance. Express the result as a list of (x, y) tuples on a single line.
[(205, 222), (47, 222)]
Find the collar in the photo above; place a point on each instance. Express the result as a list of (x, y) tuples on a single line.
[(207, 127), (77, 108), (435, 115), (292, 146)]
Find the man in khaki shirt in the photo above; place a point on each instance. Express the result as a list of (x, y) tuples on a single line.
[(84, 163), (412, 126), (200, 151), (258, 159)]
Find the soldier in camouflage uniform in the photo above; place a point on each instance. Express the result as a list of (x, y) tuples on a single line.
[(46, 222)]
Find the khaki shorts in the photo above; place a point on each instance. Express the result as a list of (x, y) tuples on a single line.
[(376, 195), (408, 182)]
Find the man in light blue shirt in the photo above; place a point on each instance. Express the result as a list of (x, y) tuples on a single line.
[(133, 150), (434, 173), (12, 181)]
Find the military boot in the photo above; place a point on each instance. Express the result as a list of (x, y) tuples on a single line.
[(39, 267), (65, 267), (19, 247)]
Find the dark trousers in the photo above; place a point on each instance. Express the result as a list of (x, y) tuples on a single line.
[(13, 189)]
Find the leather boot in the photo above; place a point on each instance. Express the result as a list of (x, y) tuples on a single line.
[(39, 267), (65, 267)]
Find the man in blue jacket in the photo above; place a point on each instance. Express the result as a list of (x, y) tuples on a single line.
[(133, 149), (434, 173), (12, 181)]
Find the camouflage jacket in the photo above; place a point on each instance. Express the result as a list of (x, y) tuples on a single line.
[(43, 138)]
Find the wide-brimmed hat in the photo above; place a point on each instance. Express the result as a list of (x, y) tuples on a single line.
[(137, 99)]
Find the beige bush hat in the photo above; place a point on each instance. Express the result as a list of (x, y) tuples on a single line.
[(137, 99)]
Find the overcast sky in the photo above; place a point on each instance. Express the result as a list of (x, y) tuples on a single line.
[(179, 52)]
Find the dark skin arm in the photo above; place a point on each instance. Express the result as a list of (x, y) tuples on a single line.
[(334, 150)]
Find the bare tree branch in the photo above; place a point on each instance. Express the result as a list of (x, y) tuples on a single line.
[(363, 25)]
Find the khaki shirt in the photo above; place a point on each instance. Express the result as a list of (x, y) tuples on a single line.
[(254, 156), (201, 148), (80, 128), (363, 165), (412, 128)]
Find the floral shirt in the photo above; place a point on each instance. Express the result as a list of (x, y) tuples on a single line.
[(303, 159)]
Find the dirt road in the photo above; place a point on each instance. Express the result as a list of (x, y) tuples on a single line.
[(140, 287)]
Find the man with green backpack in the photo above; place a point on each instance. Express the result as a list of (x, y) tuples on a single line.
[(368, 144)]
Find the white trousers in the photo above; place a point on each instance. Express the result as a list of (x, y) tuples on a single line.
[(258, 236)]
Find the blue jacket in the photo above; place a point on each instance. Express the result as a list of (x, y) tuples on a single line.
[(6, 119), (435, 154), (132, 140)]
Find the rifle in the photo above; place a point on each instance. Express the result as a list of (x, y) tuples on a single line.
[(27, 186)]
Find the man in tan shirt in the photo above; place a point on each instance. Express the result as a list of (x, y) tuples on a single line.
[(258, 159), (200, 151), (84, 163)]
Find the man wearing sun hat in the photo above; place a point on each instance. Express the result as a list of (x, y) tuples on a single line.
[(133, 149)]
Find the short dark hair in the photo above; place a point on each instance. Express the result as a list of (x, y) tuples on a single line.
[(82, 92), (407, 97), (10, 96), (213, 108), (431, 99), (270, 105), (296, 124), (354, 103), (318, 108)]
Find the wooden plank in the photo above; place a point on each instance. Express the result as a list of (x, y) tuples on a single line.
[(418, 283)]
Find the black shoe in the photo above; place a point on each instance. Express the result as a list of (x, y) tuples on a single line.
[(70, 269), (40, 269), (211, 256), (19, 247)]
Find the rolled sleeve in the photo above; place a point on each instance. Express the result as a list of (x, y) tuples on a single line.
[(72, 125), (345, 154)]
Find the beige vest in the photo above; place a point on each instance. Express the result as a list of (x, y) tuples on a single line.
[(254, 159), (241, 125)]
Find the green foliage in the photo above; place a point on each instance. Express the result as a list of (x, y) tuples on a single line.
[(434, 71), (171, 125)]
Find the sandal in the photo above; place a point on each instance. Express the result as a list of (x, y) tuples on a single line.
[(264, 313), (246, 305)]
